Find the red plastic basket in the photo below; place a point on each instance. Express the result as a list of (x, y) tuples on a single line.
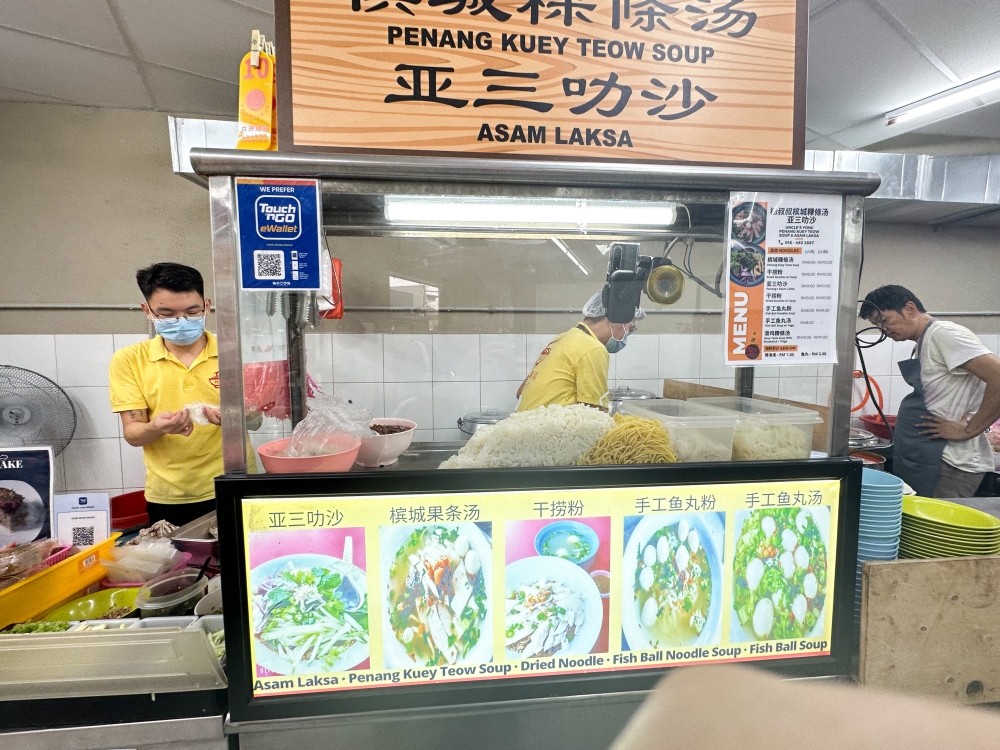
[(128, 511)]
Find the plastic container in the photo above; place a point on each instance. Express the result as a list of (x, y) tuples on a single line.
[(767, 431), (173, 594), (128, 511), (209, 623), (98, 626), (275, 462), (384, 450), (183, 622), (27, 599), (697, 432)]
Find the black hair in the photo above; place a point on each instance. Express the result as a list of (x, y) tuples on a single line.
[(890, 297), (170, 276)]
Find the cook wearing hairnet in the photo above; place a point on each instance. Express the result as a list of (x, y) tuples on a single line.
[(573, 368)]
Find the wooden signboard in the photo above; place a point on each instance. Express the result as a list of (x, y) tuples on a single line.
[(695, 81)]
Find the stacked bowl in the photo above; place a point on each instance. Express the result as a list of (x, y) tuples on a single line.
[(937, 528), (878, 533)]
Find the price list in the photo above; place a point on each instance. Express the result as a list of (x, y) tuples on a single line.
[(784, 275)]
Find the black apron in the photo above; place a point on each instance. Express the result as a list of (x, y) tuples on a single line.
[(916, 458)]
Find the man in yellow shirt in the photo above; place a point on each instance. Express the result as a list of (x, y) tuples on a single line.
[(573, 368), (153, 381)]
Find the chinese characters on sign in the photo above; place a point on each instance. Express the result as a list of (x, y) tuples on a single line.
[(647, 79), (784, 277)]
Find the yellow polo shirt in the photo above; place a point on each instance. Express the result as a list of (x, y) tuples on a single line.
[(146, 376), (573, 369)]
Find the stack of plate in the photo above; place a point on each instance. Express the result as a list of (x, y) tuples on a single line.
[(937, 528), (878, 533)]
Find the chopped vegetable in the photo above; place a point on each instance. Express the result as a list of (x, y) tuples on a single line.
[(54, 626), (218, 641), (300, 616)]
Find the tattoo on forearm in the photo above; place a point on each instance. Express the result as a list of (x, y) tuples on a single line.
[(137, 414)]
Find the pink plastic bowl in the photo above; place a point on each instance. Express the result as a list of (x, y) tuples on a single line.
[(275, 462), (383, 450)]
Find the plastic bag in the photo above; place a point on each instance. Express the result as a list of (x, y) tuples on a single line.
[(328, 417), (197, 411), (265, 388)]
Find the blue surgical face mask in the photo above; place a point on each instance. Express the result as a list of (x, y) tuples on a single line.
[(180, 331), (614, 345)]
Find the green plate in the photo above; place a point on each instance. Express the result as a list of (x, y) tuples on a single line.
[(949, 542), (922, 551), (948, 514), (940, 528), (95, 606)]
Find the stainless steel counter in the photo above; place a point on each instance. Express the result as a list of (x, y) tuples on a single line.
[(419, 456)]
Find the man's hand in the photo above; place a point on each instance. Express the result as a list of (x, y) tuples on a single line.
[(173, 423), (213, 414), (945, 429)]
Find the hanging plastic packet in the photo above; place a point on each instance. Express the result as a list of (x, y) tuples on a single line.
[(257, 98)]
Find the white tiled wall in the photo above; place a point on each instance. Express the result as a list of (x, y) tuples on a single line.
[(431, 379)]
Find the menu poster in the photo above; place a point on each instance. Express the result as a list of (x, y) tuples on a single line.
[(354, 593), (25, 494), (784, 277)]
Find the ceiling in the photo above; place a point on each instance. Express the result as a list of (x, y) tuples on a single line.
[(866, 57)]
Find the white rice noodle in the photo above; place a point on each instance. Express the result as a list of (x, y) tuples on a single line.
[(546, 436), (695, 445), (755, 441)]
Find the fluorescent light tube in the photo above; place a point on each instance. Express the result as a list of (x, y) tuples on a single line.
[(525, 212), (953, 97), (569, 254)]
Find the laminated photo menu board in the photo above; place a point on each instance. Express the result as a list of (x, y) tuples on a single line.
[(357, 592), (26, 483)]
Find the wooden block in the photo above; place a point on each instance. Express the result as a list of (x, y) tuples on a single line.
[(932, 627)]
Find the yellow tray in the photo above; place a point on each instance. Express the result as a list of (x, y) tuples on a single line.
[(50, 587)]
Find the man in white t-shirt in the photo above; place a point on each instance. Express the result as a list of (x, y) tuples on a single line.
[(941, 447)]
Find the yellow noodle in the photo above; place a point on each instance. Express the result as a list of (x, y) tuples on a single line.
[(632, 440)]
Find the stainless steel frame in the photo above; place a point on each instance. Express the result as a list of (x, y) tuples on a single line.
[(516, 178), (584, 722)]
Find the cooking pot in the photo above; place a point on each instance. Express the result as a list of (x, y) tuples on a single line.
[(617, 396), (474, 420)]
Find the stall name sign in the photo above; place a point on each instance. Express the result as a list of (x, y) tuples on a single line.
[(353, 593), (784, 279), (280, 231), (701, 81)]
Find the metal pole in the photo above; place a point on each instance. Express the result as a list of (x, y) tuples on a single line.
[(227, 297), (744, 382), (847, 310), (297, 390)]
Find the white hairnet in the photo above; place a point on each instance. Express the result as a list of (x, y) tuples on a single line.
[(595, 308)]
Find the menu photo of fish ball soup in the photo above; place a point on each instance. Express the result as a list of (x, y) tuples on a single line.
[(672, 580), (553, 606), (780, 573), (436, 581), (310, 608)]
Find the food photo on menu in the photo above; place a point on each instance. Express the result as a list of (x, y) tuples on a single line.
[(310, 601), (436, 581), (780, 573), (672, 580), (557, 586)]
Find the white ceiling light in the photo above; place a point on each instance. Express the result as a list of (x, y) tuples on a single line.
[(525, 212), (950, 102), (569, 254)]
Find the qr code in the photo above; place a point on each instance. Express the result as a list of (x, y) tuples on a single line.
[(83, 536), (268, 264)]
